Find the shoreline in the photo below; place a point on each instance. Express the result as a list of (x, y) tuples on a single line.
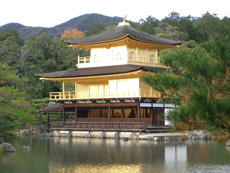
[(157, 137)]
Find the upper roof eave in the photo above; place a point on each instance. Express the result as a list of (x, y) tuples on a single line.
[(119, 33), (99, 71)]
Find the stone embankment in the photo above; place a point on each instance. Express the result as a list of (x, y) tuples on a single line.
[(170, 136)]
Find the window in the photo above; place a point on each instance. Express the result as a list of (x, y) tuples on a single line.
[(151, 58), (69, 86), (131, 56), (119, 56), (96, 58), (158, 52)]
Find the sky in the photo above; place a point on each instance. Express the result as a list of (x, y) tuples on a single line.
[(48, 13)]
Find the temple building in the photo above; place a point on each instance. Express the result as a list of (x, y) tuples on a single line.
[(105, 91)]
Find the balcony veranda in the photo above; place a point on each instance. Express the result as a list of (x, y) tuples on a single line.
[(72, 95), (63, 95)]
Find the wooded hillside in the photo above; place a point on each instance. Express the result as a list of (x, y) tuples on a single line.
[(82, 23)]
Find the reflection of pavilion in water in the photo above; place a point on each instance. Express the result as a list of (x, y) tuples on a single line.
[(89, 155)]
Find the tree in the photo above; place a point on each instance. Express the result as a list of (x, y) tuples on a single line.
[(73, 34), (184, 26), (171, 32), (15, 110), (41, 54), (149, 25), (172, 19), (198, 81), (10, 45), (207, 25), (95, 28)]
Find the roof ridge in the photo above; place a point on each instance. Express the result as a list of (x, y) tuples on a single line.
[(119, 32), (106, 70)]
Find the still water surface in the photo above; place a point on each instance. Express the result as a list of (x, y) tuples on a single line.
[(61, 155)]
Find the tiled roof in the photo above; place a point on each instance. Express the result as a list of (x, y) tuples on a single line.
[(120, 32), (97, 71), (52, 107)]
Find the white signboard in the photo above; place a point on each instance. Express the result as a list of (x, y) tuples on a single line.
[(167, 122)]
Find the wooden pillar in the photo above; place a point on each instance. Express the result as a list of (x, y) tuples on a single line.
[(156, 116), (75, 87), (75, 114), (152, 116), (146, 113), (109, 113), (101, 112), (88, 115), (63, 87), (123, 112), (138, 112), (63, 115), (112, 113)]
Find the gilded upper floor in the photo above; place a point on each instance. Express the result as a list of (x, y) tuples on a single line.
[(120, 55), (121, 45), (121, 81)]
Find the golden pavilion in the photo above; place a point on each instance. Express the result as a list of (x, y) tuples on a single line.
[(105, 91)]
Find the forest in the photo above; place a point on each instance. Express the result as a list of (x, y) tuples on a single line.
[(198, 80)]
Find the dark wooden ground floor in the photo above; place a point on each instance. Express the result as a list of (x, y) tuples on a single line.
[(121, 116)]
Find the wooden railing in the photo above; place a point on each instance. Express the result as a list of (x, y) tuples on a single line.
[(128, 94), (63, 95), (83, 60), (73, 95), (130, 120), (105, 123), (98, 125)]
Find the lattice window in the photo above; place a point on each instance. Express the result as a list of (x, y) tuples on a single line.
[(152, 58), (131, 56)]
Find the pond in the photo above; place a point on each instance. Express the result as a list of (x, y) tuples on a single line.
[(63, 155)]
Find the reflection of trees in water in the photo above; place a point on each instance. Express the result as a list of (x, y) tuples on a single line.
[(76, 155), (109, 151), (208, 152)]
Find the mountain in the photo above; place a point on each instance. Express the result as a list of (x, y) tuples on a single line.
[(82, 23)]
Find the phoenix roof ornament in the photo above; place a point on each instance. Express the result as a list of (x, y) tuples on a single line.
[(124, 22)]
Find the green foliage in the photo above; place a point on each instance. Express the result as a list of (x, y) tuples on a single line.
[(149, 25), (208, 26), (41, 54), (19, 86), (198, 80), (171, 32), (10, 44), (95, 28), (38, 103), (111, 26), (15, 110), (182, 28)]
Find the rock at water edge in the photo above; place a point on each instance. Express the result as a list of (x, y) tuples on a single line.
[(26, 148), (8, 147)]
